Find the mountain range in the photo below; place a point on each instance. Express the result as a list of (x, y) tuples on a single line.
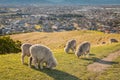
[(82, 2)]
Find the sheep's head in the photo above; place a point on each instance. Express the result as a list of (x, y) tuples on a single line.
[(52, 63), (78, 54), (66, 49)]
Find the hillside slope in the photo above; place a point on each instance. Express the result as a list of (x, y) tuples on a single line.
[(57, 40), (69, 66)]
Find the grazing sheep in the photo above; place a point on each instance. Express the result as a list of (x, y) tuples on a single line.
[(83, 49), (25, 51), (41, 54), (103, 42), (71, 44), (113, 40)]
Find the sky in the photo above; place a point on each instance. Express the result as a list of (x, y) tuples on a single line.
[(59, 2)]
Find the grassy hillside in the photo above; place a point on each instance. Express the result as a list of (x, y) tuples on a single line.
[(69, 67), (57, 40)]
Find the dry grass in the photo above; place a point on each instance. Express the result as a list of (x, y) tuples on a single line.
[(57, 40)]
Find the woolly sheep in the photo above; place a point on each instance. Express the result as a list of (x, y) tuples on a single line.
[(83, 49), (25, 51), (40, 54), (71, 44), (113, 40)]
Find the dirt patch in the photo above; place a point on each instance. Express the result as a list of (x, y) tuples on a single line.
[(103, 64)]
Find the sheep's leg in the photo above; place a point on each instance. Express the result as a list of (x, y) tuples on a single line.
[(48, 66), (88, 53), (73, 50), (83, 55), (30, 61), (79, 57), (22, 58), (41, 65), (35, 63)]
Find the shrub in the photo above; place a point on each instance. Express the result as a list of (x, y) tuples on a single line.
[(7, 45)]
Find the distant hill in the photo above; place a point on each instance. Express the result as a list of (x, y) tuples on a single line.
[(20, 2)]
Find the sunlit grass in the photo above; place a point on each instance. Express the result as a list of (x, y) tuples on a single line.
[(69, 66)]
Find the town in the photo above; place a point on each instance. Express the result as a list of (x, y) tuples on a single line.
[(22, 19)]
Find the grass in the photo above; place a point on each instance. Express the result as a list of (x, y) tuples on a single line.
[(112, 73), (57, 40), (69, 66)]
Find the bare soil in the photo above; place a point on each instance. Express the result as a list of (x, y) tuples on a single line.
[(104, 63)]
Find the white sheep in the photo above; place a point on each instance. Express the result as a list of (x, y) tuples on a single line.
[(25, 51), (83, 49), (40, 54), (70, 45)]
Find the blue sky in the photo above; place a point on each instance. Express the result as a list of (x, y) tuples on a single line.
[(59, 1)]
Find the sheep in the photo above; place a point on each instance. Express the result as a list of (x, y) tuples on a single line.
[(83, 49), (103, 42), (113, 40), (71, 44), (40, 55), (25, 51)]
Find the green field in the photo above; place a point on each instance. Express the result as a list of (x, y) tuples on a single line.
[(69, 66)]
